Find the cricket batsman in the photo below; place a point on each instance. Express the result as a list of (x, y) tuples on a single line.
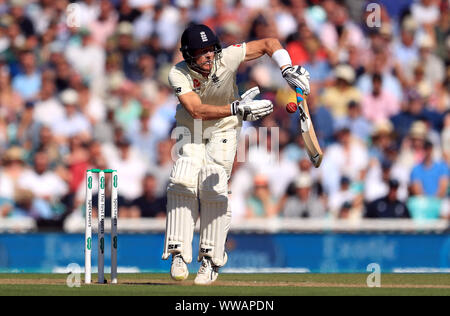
[(205, 84)]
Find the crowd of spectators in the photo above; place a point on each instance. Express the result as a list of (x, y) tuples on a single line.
[(87, 88)]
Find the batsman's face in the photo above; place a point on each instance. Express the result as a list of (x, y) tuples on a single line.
[(204, 58)]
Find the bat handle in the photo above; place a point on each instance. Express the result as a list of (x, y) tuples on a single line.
[(300, 95)]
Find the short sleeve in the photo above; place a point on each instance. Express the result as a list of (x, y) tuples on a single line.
[(444, 170), (234, 55), (179, 82)]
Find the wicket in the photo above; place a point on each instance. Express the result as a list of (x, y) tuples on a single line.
[(101, 225)]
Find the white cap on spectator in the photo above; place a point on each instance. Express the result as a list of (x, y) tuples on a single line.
[(424, 89), (69, 97), (303, 181), (18, 3), (14, 153), (344, 72), (418, 130), (185, 4), (386, 29), (125, 28), (383, 127), (426, 42), (409, 24)]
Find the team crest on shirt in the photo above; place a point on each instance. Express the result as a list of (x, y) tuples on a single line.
[(197, 84)]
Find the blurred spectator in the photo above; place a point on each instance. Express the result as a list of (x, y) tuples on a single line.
[(430, 178), (343, 195), (380, 63), (63, 72), (74, 122), (167, 27), (105, 23), (148, 204), (131, 167), (221, 15), (433, 66), (260, 203), (17, 11), (127, 12), (103, 131), (317, 61), (88, 59), (338, 96), (295, 149), (92, 107), (145, 70), (77, 162), (359, 126), (388, 206), (89, 10), (48, 109), (13, 168), (26, 205), (425, 12), (126, 49), (413, 147), (11, 102), (413, 111), (379, 105), (347, 157), (304, 204), (200, 11), (143, 138), (44, 184), (28, 82), (406, 50), (429, 185), (382, 139), (377, 179), (340, 31), (46, 142), (130, 108)]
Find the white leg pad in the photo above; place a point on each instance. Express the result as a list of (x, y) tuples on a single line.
[(182, 208), (215, 215)]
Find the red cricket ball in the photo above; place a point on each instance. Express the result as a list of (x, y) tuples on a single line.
[(291, 107)]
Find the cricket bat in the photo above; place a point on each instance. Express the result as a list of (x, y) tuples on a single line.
[(307, 129)]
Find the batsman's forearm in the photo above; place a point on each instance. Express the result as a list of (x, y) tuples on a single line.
[(272, 45), (211, 112)]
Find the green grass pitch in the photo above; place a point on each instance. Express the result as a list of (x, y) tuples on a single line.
[(230, 284)]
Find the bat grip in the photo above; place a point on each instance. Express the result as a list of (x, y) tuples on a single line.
[(300, 95)]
